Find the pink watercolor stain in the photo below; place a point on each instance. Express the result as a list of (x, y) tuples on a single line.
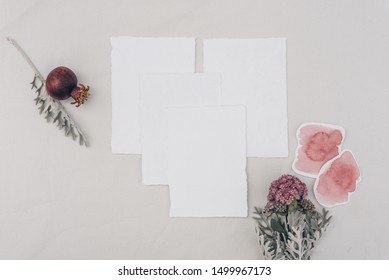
[(317, 144), (337, 180)]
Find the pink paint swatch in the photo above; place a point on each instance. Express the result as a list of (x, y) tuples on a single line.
[(337, 179), (317, 144)]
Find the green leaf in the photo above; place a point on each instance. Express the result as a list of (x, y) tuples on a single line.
[(276, 226), (292, 206)]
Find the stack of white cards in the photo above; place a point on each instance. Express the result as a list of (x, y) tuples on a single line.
[(195, 130)]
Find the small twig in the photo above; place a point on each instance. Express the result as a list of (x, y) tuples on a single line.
[(16, 45)]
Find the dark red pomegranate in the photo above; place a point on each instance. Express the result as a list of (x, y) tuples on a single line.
[(61, 83)]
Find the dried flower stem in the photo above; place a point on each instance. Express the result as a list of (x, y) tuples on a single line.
[(20, 50), (53, 109)]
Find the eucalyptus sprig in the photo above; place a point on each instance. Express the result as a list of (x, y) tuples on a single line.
[(52, 110)]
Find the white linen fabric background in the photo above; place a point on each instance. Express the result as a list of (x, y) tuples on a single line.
[(62, 201)]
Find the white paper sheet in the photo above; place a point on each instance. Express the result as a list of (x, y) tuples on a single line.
[(254, 75), (207, 161), (131, 56), (159, 91)]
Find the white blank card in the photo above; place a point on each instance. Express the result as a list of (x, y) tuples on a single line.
[(159, 91), (129, 57), (207, 161), (254, 74)]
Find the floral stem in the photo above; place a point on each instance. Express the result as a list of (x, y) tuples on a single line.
[(286, 218), (20, 50)]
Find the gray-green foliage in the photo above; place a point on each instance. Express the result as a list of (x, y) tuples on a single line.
[(54, 112), (290, 236)]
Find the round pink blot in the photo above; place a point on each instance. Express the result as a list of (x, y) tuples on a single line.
[(317, 144)]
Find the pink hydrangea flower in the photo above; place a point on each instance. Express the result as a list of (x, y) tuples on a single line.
[(285, 191)]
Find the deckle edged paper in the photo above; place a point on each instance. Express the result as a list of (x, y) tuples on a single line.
[(207, 161), (159, 91), (254, 74), (131, 56)]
